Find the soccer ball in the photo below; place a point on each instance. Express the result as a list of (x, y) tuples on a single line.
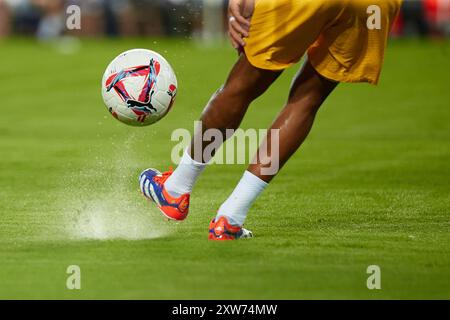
[(139, 87)]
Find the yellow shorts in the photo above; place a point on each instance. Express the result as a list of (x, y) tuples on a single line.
[(334, 33)]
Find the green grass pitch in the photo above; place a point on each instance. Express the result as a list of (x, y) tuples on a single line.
[(369, 187)]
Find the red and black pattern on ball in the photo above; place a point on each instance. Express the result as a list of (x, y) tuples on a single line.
[(172, 92), (142, 105)]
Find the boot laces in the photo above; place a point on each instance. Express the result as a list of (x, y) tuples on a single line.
[(164, 176)]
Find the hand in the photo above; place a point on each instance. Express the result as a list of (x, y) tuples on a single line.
[(239, 14)]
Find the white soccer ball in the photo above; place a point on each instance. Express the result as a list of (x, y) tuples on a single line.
[(139, 87)]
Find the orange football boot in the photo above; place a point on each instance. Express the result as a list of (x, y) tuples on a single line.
[(152, 186), (221, 230)]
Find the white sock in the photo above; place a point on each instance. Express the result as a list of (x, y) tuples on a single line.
[(236, 207), (183, 178)]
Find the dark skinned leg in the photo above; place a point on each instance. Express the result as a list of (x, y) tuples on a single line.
[(227, 107), (309, 90)]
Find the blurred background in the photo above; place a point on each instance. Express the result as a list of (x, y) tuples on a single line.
[(200, 19)]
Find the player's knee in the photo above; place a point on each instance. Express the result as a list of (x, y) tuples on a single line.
[(222, 111), (231, 99), (309, 103)]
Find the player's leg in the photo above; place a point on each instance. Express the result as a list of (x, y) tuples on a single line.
[(308, 92), (225, 110), (344, 51), (229, 104)]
